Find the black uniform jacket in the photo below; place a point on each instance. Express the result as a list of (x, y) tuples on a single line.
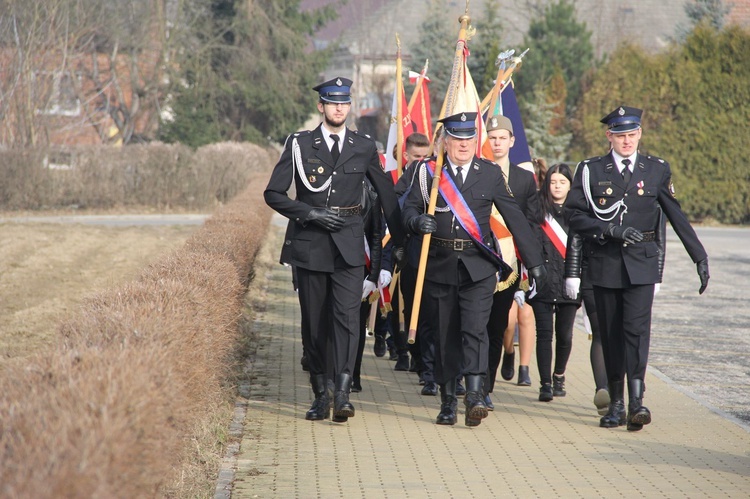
[(312, 247), (483, 187), (613, 264), (523, 187), (556, 265)]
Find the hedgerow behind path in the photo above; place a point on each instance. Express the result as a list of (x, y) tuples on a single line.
[(142, 376)]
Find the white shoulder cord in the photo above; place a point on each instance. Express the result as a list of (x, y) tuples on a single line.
[(297, 162), (425, 190), (599, 212)]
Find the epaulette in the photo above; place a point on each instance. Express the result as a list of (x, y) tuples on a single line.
[(301, 132), (362, 134), (654, 158), (592, 160)]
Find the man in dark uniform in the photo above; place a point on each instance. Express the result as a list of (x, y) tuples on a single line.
[(463, 264), (328, 166), (615, 200)]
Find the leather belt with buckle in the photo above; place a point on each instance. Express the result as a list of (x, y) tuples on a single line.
[(454, 244), (346, 211), (648, 236)]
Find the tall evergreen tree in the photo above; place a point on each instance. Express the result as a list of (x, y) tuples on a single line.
[(437, 42), (246, 73), (486, 45), (541, 114), (711, 11), (557, 40)]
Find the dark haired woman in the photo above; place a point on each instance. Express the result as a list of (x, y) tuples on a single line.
[(553, 311)]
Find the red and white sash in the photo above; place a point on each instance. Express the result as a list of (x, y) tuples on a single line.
[(556, 234)]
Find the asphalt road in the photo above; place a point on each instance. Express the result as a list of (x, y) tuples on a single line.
[(113, 220), (702, 343)]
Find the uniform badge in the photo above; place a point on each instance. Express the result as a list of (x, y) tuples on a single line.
[(640, 187), (671, 188), (493, 122), (621, 112), (339, 82), (609, 190), (602, 201), (463, 116), (321, 169), (312, 179)]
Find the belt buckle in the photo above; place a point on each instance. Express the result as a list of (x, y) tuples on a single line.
[(458, 245), (335, 209)]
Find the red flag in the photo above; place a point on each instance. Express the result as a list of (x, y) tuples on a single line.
[(419, 105)]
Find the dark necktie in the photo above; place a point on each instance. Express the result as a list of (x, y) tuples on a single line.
[(459, 177), (335, 151), (626, 171)]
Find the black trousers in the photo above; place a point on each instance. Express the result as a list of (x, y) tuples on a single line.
[(425, 341), (625, 324), (459, 314), (364, 316), (596, 354), (559, 318), (330, 310), (498, 323), (400, 334)]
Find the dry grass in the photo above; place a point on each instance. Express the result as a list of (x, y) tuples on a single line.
[(134, 399), (163, 176)]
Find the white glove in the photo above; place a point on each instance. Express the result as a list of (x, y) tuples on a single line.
[(384, 279), (367, 288), (656, 288), (520, 297), (572, 287)]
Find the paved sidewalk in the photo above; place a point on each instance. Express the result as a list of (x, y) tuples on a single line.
[(525, 448)]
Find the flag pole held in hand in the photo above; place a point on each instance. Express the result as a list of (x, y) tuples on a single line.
[(456, 79)]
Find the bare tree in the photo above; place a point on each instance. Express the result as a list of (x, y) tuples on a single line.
[(70, 66)]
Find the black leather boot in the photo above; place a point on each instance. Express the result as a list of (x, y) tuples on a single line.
[(616, 415), (558, 385), (449, 404), (638, 415), (487, 400), (321, 406), (342, 409), (476, 411)]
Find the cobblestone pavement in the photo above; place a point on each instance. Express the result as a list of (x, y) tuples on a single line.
[(525, 448)]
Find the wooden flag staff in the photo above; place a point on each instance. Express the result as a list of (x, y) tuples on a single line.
[(450, 96)]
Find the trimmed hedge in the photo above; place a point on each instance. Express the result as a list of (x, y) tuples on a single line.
[(140, 386), (162, 176)]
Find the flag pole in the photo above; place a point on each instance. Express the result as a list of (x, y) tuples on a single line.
[(418, 84), (418, 91), (399, 113), (447, 104), (504, 72)]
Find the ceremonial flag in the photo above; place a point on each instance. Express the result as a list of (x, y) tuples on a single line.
[(465, 99), (456, 85), (507, 105), (519, 153), (419, 104), (390, 161)]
